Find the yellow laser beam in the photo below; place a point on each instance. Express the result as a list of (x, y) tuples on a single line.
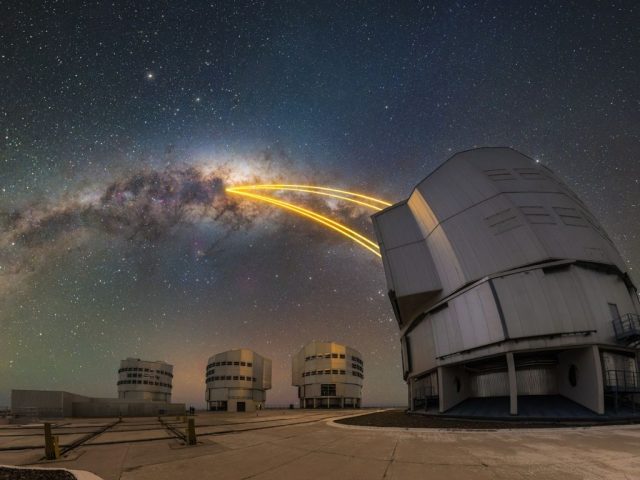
[(312, 187), (338, 227), (315, 214), (315, 192), (307, 211)]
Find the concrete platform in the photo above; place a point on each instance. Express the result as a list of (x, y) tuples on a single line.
[(536, 407), (302, 444)]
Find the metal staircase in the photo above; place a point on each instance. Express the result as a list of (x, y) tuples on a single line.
[(623, 385), (627, 329)]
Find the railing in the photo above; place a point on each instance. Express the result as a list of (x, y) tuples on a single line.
[(425, 395), (622, 381), (627, 327), (426, 391)]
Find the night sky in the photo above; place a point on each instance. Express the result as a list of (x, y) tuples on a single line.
[(121, 126)]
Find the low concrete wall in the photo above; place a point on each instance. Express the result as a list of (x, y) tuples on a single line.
[(44, 403), (105, 407), (58, 404)]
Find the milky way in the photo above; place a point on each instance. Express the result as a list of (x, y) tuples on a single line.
[(144, 208)]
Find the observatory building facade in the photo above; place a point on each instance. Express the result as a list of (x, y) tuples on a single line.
[(237, 381), (145, 380), (506, 287), (328, 375)]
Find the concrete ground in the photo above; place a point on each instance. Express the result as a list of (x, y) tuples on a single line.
[(306, 444)]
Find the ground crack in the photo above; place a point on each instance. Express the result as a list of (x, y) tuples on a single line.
[(393, 456)]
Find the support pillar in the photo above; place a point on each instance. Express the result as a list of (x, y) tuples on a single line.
[(342, 402), (191, 432), (410, 384), (595, 354), (513, 385), (51, 445), (315, 403), (441, 394)]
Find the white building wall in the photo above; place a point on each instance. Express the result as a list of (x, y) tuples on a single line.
[(44, 403), (423, 358), (566, 300), (145, 380), (494, 211), (588, 390), (328, 363), (56, 404), (234, 376)]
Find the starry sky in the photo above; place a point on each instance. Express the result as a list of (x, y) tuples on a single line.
[(122, 123)]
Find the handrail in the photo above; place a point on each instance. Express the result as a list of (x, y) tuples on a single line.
[(622, 380), (626, 325)]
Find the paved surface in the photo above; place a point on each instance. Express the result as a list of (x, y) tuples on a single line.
[(399, 419), (301, 444)]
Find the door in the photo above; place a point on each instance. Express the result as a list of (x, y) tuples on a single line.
[(613, 310), (241, 407), (618, 326)]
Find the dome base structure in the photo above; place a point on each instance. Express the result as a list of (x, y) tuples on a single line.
[(237, 381), (145, 380), (328, 375)]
